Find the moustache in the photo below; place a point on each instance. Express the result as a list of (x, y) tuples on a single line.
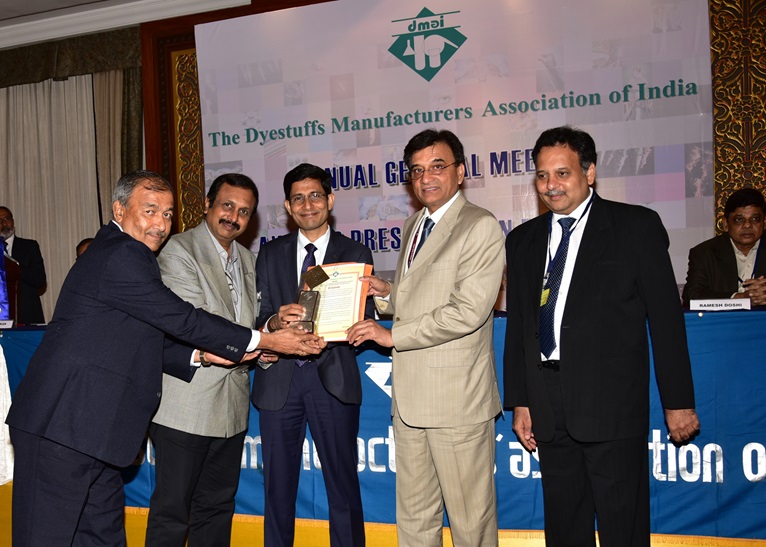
[(230, 223), (551, 193), (161, 234)]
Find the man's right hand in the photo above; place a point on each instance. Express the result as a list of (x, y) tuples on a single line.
[(522, 426), (292, 341), (378, 287)]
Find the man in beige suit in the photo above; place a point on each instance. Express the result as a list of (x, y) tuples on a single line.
[(445, 397), (199, 429)]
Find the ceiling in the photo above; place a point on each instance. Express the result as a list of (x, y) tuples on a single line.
[(25, 22)]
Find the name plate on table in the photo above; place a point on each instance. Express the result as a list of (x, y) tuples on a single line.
[(341, 300), (720, 304)]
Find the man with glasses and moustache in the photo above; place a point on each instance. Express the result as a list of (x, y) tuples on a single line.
[(444, 386)]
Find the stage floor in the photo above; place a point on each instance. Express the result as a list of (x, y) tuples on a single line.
[(310, 533)]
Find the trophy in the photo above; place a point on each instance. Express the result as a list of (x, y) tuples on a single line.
[(309, 299)]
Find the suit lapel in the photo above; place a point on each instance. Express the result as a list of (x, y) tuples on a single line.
[(404, 252), (333, 253), (539, 250), (727, 262), (595, 239), (289, 254), (760, 259), (249, 310)]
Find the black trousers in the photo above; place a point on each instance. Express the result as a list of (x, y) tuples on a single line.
[(584, 482), (62, 497), (196, 480)]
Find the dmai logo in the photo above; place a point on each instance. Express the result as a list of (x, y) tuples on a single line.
[(428, 44)]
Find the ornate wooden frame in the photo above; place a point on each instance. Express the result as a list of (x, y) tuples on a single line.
[(738, 57)]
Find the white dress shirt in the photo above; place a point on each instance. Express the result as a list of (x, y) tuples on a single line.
[(580, 215)]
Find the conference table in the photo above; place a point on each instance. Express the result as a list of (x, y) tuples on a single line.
[(713, 486)]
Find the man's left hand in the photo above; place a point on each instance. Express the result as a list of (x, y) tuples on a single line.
[(369, 329), (683, 424), (755, 289)]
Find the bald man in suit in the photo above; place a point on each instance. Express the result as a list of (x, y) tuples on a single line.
[(444, 388), (32, 280)]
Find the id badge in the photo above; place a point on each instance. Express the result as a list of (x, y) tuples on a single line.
[(544, 297)]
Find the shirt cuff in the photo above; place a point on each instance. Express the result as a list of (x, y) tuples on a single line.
[(255, 339)]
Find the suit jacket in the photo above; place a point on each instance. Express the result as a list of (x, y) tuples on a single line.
[(277, 271), (443, 362), (32, 280), (622, 278), (712, 269), (216, 402), (96, 378)]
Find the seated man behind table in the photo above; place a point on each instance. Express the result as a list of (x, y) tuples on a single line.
[(728, 265)]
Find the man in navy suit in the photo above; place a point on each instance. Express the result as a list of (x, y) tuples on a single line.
[(31, 270), (583, 281), (82, 409), (325, 392), (731, 265)]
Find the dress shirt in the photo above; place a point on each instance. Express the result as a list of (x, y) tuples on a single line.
[(745, 263), (436, 217), (9, 244), (230, 262), (581, 218), (319, 253), (321, 249)]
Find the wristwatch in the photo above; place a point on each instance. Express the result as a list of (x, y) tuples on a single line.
[(204, 362)]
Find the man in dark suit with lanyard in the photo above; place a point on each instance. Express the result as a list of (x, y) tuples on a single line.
[(583, 280), (325, 392), (32, 277), (731, 265), (82, 409)]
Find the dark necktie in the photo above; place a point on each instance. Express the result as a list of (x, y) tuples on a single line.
[(428, 225), (309, 261), (547, 311)]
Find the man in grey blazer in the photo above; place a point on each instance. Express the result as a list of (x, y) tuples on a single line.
[(445, 397), (200, 426)]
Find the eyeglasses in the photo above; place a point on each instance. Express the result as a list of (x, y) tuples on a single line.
[(299, 199), (418, 172), (739, 221)]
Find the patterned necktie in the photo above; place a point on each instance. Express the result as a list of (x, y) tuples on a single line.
[(428, 225), (547, 311), (308, 262)]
